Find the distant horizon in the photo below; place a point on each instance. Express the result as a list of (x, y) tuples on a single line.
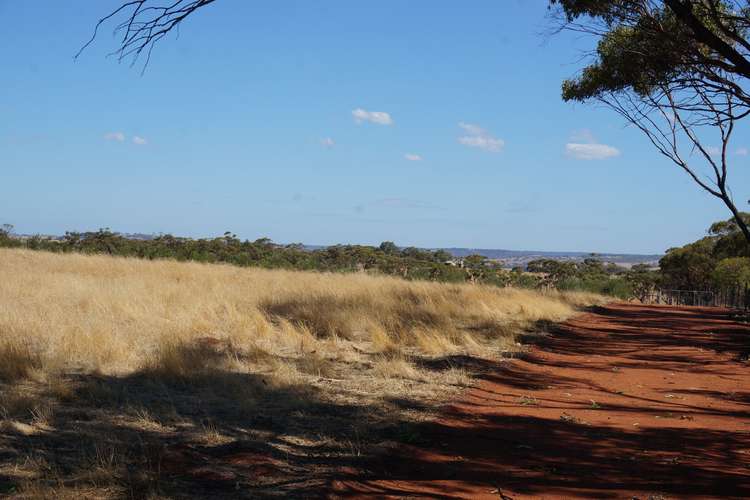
[(316, 245)]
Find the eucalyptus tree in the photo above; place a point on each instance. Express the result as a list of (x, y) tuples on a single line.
[(677, 70)]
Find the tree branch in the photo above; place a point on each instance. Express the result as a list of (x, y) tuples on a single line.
[(144, 26), (684, 12)]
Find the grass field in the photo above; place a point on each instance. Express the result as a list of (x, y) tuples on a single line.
[(111, 367)]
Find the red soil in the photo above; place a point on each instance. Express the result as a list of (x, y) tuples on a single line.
[(629, 401)]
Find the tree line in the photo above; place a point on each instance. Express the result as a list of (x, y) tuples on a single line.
[(720, 260), (387, 259)]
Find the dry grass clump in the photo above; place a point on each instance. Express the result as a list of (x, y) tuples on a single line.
[(397, 367), (17, 360), (182, 362), (133, 354)]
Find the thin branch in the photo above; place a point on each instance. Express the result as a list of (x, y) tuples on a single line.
[(144, 26)]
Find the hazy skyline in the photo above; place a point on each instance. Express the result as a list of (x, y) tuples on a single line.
[(434, 125)]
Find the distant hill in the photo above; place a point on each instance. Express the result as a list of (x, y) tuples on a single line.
[(57, 237), (513, 258)]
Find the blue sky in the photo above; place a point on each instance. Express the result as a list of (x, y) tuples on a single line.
[(426, 123)]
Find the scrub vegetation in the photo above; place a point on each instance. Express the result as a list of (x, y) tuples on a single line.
[(590, 275)]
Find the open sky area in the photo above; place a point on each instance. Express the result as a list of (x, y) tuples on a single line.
[(433, 124)]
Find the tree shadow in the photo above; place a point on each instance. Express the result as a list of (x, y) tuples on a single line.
[(632, 331), (538, 456), (217, 434), (519, 431)]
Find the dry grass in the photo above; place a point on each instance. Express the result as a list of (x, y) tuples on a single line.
[(170, 340), (17, 359), (115, 316)]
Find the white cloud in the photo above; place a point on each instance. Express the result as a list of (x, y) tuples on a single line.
[(412, 157), (479, 138), (590, 151), (487, 143), (328, 142), (741, 152), (472, 129), (713, 150), (139, 141), (379, 117), (114, 136), (583, 146)]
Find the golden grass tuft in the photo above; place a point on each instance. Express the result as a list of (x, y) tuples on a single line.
[(17, 360), (398, 368), (179, 361)]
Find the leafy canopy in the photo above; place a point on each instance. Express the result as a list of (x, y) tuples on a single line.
[(645, 45)]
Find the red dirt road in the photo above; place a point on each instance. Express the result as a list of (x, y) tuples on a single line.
[(628, 401)]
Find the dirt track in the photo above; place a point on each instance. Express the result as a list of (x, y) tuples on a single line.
[(628, 401)]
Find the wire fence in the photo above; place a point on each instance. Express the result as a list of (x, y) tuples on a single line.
[(735, 298)]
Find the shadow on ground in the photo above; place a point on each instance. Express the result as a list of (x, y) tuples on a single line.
[(211, 434), (226, 435), (221, 434), (555, 424)]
